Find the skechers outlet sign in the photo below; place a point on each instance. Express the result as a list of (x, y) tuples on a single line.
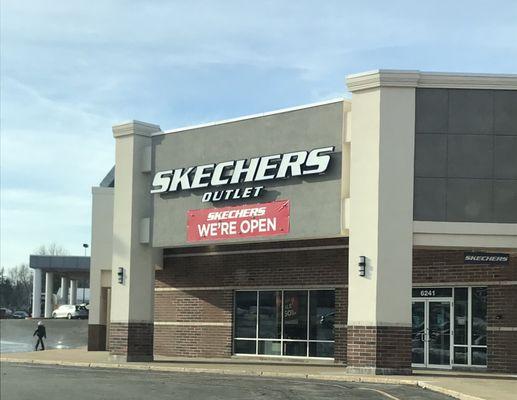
[(252, 170)]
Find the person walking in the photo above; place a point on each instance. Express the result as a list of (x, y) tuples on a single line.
[(41, 333)]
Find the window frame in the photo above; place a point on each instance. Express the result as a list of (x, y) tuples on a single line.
[(257, 339), (469, 346)]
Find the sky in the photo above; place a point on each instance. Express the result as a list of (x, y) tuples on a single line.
[(69, 70)]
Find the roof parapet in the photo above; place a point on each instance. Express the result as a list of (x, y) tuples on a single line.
[(415, 78)]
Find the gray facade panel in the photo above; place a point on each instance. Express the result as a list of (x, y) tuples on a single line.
[(470, 156), (315, 200), (505, 164), (505, 112), (471, 111), (430, 199), (469, 200), (434, 104), (505, 201), (481, 152), (431, 155)]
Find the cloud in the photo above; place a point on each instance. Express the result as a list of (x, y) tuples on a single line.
[(70, 70), (31, 218)]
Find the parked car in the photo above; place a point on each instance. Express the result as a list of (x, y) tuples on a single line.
[(20, 314), (5, 313), (70, 311)]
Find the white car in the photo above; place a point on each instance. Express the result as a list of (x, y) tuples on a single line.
[(70, 311)]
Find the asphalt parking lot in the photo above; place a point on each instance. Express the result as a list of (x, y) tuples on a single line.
[(20, 382)]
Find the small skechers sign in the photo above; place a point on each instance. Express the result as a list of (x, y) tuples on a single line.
[(265, 219), (486, 258)]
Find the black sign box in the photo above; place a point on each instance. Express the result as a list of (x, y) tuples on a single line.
[(486, 258), (432, 292)]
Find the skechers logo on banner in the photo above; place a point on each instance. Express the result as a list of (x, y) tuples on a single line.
[(257, 169)]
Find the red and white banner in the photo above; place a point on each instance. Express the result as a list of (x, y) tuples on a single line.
[(266, 219)]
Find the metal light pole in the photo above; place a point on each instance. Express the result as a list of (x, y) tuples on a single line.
[(85, 245)]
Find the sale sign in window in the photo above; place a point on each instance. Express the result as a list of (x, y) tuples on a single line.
[(252, 220)]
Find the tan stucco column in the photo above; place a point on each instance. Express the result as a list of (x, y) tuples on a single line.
[(132, 314), (381, 217), (100, 265)]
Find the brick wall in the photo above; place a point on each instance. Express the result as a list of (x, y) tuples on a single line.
[(132, 340), (437, 266), (393, 347), (207, 307), (502, 351), (340, 331), (263, 269), (502, 306), (446, 266), (193, 341), (195, 293), (194, 306), (384, 349)]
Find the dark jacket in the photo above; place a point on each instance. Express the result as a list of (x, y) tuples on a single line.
[(40, 331)]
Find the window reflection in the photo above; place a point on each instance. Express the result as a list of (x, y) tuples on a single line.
[(479, 356), (270, 314), (418, 332), (297, 323), (460, 355), (479, 295), (295, 314), (245, 314), (322, 315), (461, 316)]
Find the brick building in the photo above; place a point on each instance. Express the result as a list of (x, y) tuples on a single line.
[(378, 232)]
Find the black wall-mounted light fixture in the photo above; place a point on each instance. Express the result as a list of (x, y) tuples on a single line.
[(362, 266), (120, 275)]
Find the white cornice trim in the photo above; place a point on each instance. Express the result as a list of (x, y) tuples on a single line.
[(465, 235), (135, 127), (191, 323), (465, 228), (414, 78), (464, 283), (373, 79)]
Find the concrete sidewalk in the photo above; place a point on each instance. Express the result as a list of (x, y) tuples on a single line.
[(461, 385)]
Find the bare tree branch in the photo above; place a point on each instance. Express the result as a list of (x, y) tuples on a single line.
[(52, 249)]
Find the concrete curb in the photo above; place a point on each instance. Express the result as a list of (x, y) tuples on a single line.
[(448, 392), (243, 372)]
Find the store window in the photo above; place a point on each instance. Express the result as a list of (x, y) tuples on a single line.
[(470, 321), (478, 321), (293, 323), (461, 324)]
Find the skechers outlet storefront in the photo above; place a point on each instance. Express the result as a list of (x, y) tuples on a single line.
[(377, 232)]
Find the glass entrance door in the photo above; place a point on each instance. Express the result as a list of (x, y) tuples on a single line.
[(439, 333), (431, 333)]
